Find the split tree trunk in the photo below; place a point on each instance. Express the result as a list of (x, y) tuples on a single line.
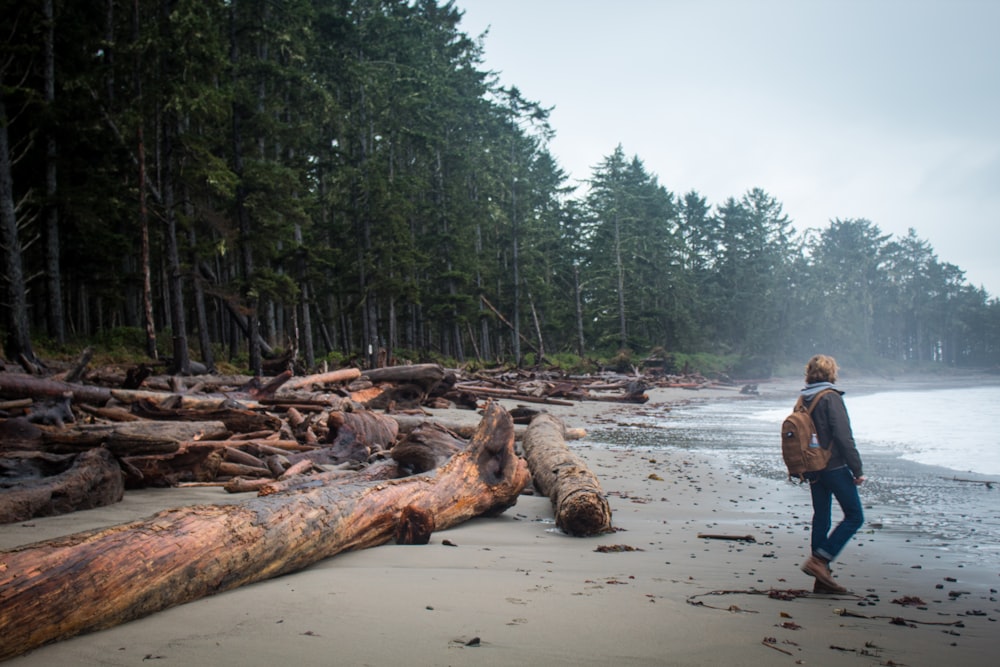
[(577, 499), (80, 482), (88, 581)]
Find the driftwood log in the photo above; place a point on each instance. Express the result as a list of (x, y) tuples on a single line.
[(322, 379), (59, 588), (133, 438), (19, 386), (580, 506), (426, 447), (48, 484), (408, 423), (236, 419), (194, 461), (424, 374)]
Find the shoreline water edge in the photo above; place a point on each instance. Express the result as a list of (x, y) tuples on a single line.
[(702, 569)]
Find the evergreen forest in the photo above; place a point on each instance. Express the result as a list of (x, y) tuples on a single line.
[(344, 180)]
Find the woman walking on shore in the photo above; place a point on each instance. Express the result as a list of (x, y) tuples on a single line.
[(840, 479)]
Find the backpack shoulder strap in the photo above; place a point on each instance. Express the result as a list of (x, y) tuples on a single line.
[(815, 401)]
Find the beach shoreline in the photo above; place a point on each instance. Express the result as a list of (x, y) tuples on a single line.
[(513, 590)]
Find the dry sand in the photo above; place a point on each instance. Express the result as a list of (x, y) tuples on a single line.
[(513, 591)]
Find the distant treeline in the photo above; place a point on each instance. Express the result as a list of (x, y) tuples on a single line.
[(344, 177)]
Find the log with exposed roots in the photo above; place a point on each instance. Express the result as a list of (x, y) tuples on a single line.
[(59, 588), (581, 509)]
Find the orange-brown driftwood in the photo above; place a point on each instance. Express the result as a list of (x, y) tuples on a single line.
[(63, 587), (577, 499), (338, 376)]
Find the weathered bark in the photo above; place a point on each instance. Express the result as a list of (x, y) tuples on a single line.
[(233, 469), (67, 483), (425, 374), (333, 377), (381, 470), (236, 420), (621, 398), (204, 460), (190, 462), (84, 582), (259, 389), (141, 437), (514, 395), (75, 374), (357, 435), (181, 401), (577, 499), (19, 386), (427, 447), (15, 385), (386, 396), (409, 422)]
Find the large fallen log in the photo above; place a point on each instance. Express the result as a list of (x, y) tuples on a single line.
[(512, 394), (50, 484), (580, 506), (380, 470), (409, 422), (332, 377), (425, 374), (97, 579), (133, 438), (236, 419), (19, 386)]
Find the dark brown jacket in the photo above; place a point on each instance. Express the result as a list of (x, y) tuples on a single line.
[(833, 429)]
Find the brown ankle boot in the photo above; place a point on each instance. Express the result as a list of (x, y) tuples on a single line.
[(816, 567), (822, 589)]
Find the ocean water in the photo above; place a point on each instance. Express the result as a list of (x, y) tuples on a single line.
[(956, 428), (920, 450)]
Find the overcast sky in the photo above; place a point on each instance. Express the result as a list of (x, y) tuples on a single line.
[(881, 109)]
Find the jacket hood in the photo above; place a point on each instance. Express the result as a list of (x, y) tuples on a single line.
[(811, 390)]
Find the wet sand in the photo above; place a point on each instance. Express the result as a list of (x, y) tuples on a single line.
[(511, 590)]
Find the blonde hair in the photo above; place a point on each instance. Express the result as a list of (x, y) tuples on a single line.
[(821, 368)]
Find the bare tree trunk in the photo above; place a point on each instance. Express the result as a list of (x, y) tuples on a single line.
[(181, 361), (620, 269), (251, 299), (56, 320), (18, 343), (577, 290), (306, 330), (147, 280), (201, 312)]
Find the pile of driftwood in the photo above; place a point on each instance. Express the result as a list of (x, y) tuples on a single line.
[(97, 579), (330, 474), (68, 445)]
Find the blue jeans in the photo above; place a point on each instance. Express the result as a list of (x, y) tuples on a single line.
[(826, 485)]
